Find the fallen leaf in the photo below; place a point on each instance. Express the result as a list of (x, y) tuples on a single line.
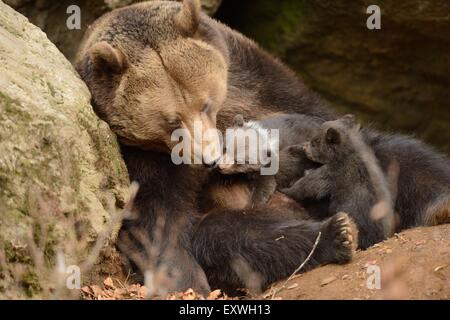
[(109, 283), (87, 290), (214, 295), (189, 294), (120, 291), (96, 290), (134, 288), (142, 293)]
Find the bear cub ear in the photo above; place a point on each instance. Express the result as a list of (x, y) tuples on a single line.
[(238, 121), (349, 121), (188, 19), (333, 136), (106, 58)]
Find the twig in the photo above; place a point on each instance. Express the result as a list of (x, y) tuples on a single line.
[(103, 236), (3, 265), (275, 291)]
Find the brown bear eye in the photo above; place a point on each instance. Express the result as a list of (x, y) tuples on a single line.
[(174, 123), (206, 107)]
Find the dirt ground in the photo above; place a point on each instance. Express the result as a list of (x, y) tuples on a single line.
[(414, 264)]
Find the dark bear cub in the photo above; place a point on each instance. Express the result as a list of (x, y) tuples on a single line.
[(349, 177), (364, 171)]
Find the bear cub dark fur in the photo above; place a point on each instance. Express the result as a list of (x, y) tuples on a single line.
[(349, 176), (356, 177)]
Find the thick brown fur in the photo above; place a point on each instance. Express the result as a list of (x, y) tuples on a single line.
[(152, 69)]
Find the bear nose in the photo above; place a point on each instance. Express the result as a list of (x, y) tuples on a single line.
[(211, 164)]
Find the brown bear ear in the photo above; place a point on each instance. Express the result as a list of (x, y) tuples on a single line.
[(349, 121), (333, 136), (106, 58), (188, 19), (238, 120)]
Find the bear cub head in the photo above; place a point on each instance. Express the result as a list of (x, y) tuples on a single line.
[(250, 148), (332, 141)]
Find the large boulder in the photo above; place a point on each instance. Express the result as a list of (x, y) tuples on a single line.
[(61, 172), (51, 17), (398, 77)]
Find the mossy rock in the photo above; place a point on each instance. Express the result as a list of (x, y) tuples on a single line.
[(60, 166), (397, 77)]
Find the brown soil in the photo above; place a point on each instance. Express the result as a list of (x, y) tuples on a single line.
[(414, 264)]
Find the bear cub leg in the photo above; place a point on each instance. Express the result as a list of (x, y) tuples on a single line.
[(314, 185)]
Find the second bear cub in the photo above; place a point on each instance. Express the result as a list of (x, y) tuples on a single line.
[(349, 177)]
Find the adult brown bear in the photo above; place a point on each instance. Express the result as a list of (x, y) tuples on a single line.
[(158, 66)]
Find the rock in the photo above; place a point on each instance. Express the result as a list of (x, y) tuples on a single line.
[(51, 17), (60, 166), (397, 77)]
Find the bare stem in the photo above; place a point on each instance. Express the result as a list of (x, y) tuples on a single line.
[(276, 290)]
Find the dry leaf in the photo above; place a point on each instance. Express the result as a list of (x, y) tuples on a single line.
[(214, 295), (109, 283), (120, 291), (142, 293), (97, 291), (134, 288), (189, 294), (87, 290)]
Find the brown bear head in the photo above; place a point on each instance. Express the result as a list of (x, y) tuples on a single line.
[(150, 73)]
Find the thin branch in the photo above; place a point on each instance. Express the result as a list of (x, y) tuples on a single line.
[(275, 290)]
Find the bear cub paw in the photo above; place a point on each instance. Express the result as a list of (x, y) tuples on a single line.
[(343, 233)]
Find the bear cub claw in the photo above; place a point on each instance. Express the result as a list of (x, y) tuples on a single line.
[(343, 233)]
